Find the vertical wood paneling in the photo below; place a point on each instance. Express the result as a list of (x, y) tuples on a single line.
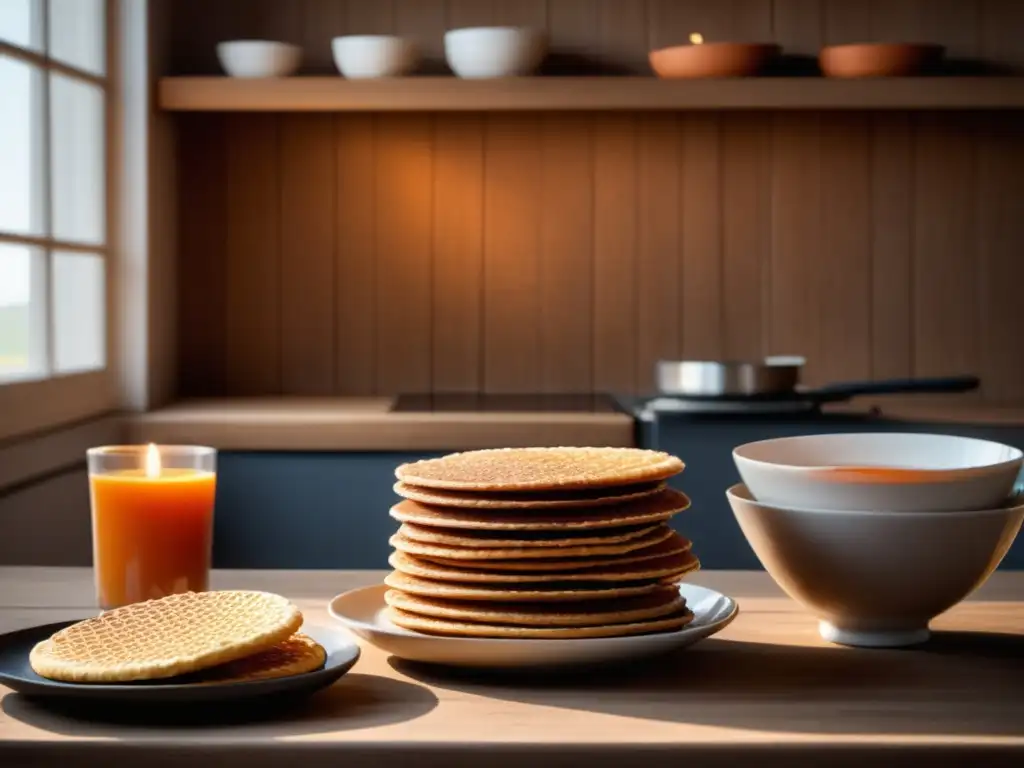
[(512, 307), (658, 255), (1001, 244), (798, 26), (202, 244), (797, 255), (404, 216), (892, 238), (846, 22), (253, 306), (622, 33), (615, 252), (572, 25), (308, 210), (322, 21), (355, 293), (458, 252), (369, 18), (566, 245), (844, 255), (1001, 24), (746, 233), (424, 22), (945, 247), (701, 216)]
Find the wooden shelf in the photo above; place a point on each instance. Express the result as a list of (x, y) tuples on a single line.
[(335, 94)]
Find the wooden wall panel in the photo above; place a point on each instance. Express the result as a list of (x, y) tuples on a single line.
[(615, 253), (795, 300), (253, 306), (355, 352), (363, 254), (844, 253), (746, 234), (458, 253), (511, 285), (702, 299), (892, 246), (202, 262), (308, 210), (566, 253), (403, 210), (946, 284), (658, 282)]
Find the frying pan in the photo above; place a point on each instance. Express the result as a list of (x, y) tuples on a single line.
[(776, 379)]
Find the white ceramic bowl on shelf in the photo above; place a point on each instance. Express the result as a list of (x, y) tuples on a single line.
[(482, 52), (258, 58), (895, 472), (876, 578), (372, 56)]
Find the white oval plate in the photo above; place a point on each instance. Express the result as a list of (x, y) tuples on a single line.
[(362, 611)]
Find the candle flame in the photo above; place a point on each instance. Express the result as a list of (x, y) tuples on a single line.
[(152, 461), (696, 38)]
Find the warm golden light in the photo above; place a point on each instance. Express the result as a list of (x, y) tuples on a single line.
[(696, 38), (152, 461)]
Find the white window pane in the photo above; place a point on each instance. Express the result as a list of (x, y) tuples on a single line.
[(79, 309), (21, 23), (77, 155), (22, 312), (76, 33), (21, 147)]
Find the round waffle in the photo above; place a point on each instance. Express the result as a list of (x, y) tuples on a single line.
[(528, 500), (653, 509), (431, 626), (520, 539), (403, 543), (295, 656), (672, 544), (547, 592), (659, 569), (170, 636), (540, 469), (663, 602)]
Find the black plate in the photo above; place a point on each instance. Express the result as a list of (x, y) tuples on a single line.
[(16, 673)]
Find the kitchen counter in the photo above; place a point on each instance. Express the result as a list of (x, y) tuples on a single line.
[(766, 691), (368, 424), (371, 424)]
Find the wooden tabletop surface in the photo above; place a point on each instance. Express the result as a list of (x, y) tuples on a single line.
[(766, 690)]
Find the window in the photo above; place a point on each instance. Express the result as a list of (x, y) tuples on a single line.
[(54, 242)]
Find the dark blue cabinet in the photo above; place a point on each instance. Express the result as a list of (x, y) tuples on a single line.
[(330, 510)]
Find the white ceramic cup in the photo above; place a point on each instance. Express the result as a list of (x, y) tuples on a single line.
[(372, 56), (258, 58), (484, 52)]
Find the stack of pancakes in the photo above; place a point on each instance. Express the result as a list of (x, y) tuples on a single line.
[(539, 542)]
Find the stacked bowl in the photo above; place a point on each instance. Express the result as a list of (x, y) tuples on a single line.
[(877, 534)]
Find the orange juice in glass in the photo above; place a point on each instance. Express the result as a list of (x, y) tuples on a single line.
[(152, 520)]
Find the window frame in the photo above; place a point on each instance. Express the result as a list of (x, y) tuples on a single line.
[(38, 404)]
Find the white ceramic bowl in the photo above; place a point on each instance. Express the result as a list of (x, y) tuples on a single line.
[(894, 472), (876, 578), (476, 52), (258, 58), (370, 56)]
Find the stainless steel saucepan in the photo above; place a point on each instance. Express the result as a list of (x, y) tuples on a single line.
[(778, 378)]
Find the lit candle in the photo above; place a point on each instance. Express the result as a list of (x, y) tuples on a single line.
[(696, 38), (152, 520)]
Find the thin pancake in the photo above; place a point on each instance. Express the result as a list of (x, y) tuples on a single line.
[(403, 543), (528, 499), (663, 568), (506, 539), (548, 592), (653, 509)]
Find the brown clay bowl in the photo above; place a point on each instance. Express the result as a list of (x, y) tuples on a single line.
[(712, 59), (878, 59)]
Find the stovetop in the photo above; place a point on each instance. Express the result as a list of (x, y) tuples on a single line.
[(501, 403)]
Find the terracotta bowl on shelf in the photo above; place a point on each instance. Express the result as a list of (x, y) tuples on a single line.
[(879, 59), (712, 59)]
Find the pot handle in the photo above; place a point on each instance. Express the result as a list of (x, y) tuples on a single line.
[(898, 386)]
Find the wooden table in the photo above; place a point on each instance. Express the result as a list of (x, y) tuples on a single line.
[(767, 691)]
